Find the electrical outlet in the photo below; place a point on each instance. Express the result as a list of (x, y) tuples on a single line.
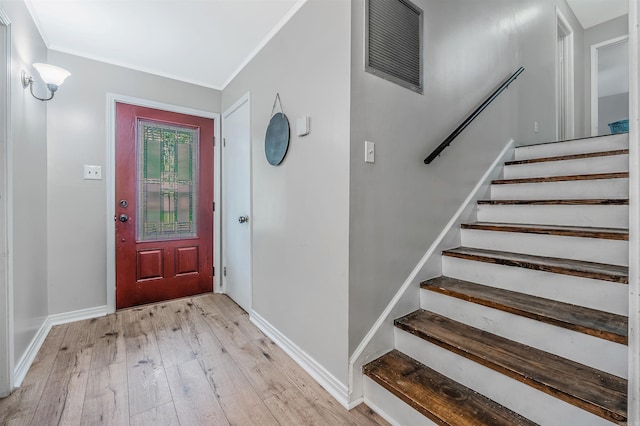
[(92, 172), (536, 127)]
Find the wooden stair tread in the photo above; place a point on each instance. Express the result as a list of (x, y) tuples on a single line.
[(598, 392), (599, 271), (569, 157), (578, 202), (435, 396), (596, 323), (543, 179), (565, 231)]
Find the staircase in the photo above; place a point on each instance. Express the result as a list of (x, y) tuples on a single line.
[(528, 324)]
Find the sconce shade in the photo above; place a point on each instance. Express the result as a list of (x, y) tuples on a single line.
[(51, 75)]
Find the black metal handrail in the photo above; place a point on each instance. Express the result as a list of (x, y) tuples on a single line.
[(472, 117)]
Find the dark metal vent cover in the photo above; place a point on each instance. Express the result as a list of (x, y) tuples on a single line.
[(393, 42)]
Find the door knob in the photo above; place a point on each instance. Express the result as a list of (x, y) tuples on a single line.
[(243, 219), (123, 218)]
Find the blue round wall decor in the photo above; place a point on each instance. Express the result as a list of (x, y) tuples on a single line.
[(276, 141)]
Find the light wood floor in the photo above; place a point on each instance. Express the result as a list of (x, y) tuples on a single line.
[(196, 361)]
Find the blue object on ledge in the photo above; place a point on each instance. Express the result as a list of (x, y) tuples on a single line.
[(621, 126)]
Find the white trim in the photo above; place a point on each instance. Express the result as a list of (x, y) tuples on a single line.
[(24, 363), (569, 77), (594, 79), (633, 399), (328, 381), (57, 319), (79, 315), (6, 282), (110, 178), (237, 104), (450, 232), (264, 41)]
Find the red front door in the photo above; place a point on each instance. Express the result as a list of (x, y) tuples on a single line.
[(164, 205)]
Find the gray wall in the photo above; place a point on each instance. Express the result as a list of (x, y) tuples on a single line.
[(399, 205), (597, 34), (28, 120), (301, 208), (611, 109), (76, 225)]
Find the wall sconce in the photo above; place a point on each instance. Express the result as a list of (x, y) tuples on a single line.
[(52, 76)]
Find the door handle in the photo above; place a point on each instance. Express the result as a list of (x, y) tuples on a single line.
[(243, 219), (123, 218)]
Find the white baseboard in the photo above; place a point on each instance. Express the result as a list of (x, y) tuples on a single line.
[(23, 365), (25, 361), (82, 314), (328, 381)]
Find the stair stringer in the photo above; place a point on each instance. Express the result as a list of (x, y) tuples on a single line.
[(380, 338)]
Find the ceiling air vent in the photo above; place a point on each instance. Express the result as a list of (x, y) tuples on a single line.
[(393, 42)]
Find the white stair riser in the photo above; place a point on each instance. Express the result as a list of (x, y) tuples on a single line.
[(566, 190), (590, 293), (523, 399), (589, 350), (613, 252), (601, 216), (390, 407), (582, 166), (580, 146)]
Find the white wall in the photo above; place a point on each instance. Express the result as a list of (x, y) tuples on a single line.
[(29, 182), (76, 219), (399, 205), (301, 208)]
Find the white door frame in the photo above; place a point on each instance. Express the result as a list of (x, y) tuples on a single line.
[(594, 79), (246, 98), (112, 99), (6, 279), (565, 109), (633, 399)]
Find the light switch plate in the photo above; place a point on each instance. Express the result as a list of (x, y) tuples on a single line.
[(369, 152), (92, 172), (302, 126)]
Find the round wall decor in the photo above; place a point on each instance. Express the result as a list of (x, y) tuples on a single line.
[(276, 141)]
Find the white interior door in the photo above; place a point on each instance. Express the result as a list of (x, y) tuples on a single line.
[(236, 203)]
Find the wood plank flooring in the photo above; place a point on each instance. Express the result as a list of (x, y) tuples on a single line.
[(194, 361)]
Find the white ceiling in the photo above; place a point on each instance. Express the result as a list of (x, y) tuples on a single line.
[(594, 12), (205, 42)]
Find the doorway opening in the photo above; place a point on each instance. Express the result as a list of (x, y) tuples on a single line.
[(565, 123), (609, 84)]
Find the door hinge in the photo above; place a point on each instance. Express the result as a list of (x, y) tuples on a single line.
[(224, 271), (214, 141), (213, 271), (224, 142), (214, 206)]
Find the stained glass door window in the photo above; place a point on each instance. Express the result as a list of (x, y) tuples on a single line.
[(167, 177)]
